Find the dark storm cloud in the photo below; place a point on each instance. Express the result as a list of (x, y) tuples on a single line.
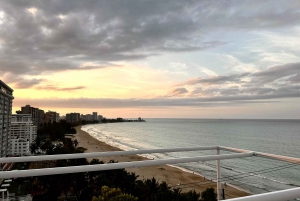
[(277, 72), (21, 82), (286, 73), (274, 82), (178, 91), (24, 84), (215, 80), (62, 35)]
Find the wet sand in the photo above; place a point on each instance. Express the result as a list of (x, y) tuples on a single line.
[(174, 177)]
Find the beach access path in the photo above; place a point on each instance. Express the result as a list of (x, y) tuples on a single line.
[(172, 175)]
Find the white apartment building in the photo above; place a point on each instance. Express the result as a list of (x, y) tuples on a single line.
[(22, 134), (6, 97), (20, 147)]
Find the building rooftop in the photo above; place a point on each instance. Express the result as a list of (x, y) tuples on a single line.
[(6, 86)]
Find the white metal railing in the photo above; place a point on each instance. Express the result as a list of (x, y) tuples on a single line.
[(263, 155), (274, 196), (100, 154), (112, 166)]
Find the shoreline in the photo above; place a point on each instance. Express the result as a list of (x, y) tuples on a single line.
[(174, 176)]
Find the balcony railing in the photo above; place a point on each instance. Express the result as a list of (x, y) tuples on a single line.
[(274, 196)]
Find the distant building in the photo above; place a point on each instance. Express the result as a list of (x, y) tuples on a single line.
[(87, 117), (22, 134), (38, 117), (95, 116), (41, 118), (27, 109), (100, 117), (90, 117), (51, 117), (6, 97), (73, 117), (57, 117)]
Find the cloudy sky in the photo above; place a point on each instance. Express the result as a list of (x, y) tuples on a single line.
[(131, 58)]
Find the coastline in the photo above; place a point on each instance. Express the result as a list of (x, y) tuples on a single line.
[(173, 175)]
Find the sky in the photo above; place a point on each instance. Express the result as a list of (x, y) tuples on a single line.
[(154, 59)]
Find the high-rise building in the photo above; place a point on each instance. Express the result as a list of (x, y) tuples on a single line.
[(100, 117), (37, 115), (41, 118), (57, 117), (73, 117), (22, 127), (51, 117), (95, 116), (22, 133), (6, 97), (89, 117)]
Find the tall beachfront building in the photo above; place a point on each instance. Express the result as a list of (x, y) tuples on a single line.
[(38, 115), (6, 98), (22, 133), (73, 117), (51, 117)]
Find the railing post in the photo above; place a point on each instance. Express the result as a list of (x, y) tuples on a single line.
[(219, 188)]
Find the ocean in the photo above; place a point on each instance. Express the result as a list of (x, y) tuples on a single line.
[(256, 175)]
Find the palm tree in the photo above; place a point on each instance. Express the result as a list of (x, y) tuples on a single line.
[(33, 148), (149, 189), (209, 195)]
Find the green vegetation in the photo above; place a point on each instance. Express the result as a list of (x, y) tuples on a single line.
[(56, 130), (108, 185), (119, 119), (209, 195), (52, 132), (113, 194)]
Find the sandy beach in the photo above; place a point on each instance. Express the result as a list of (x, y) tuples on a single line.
[(172, 175)]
